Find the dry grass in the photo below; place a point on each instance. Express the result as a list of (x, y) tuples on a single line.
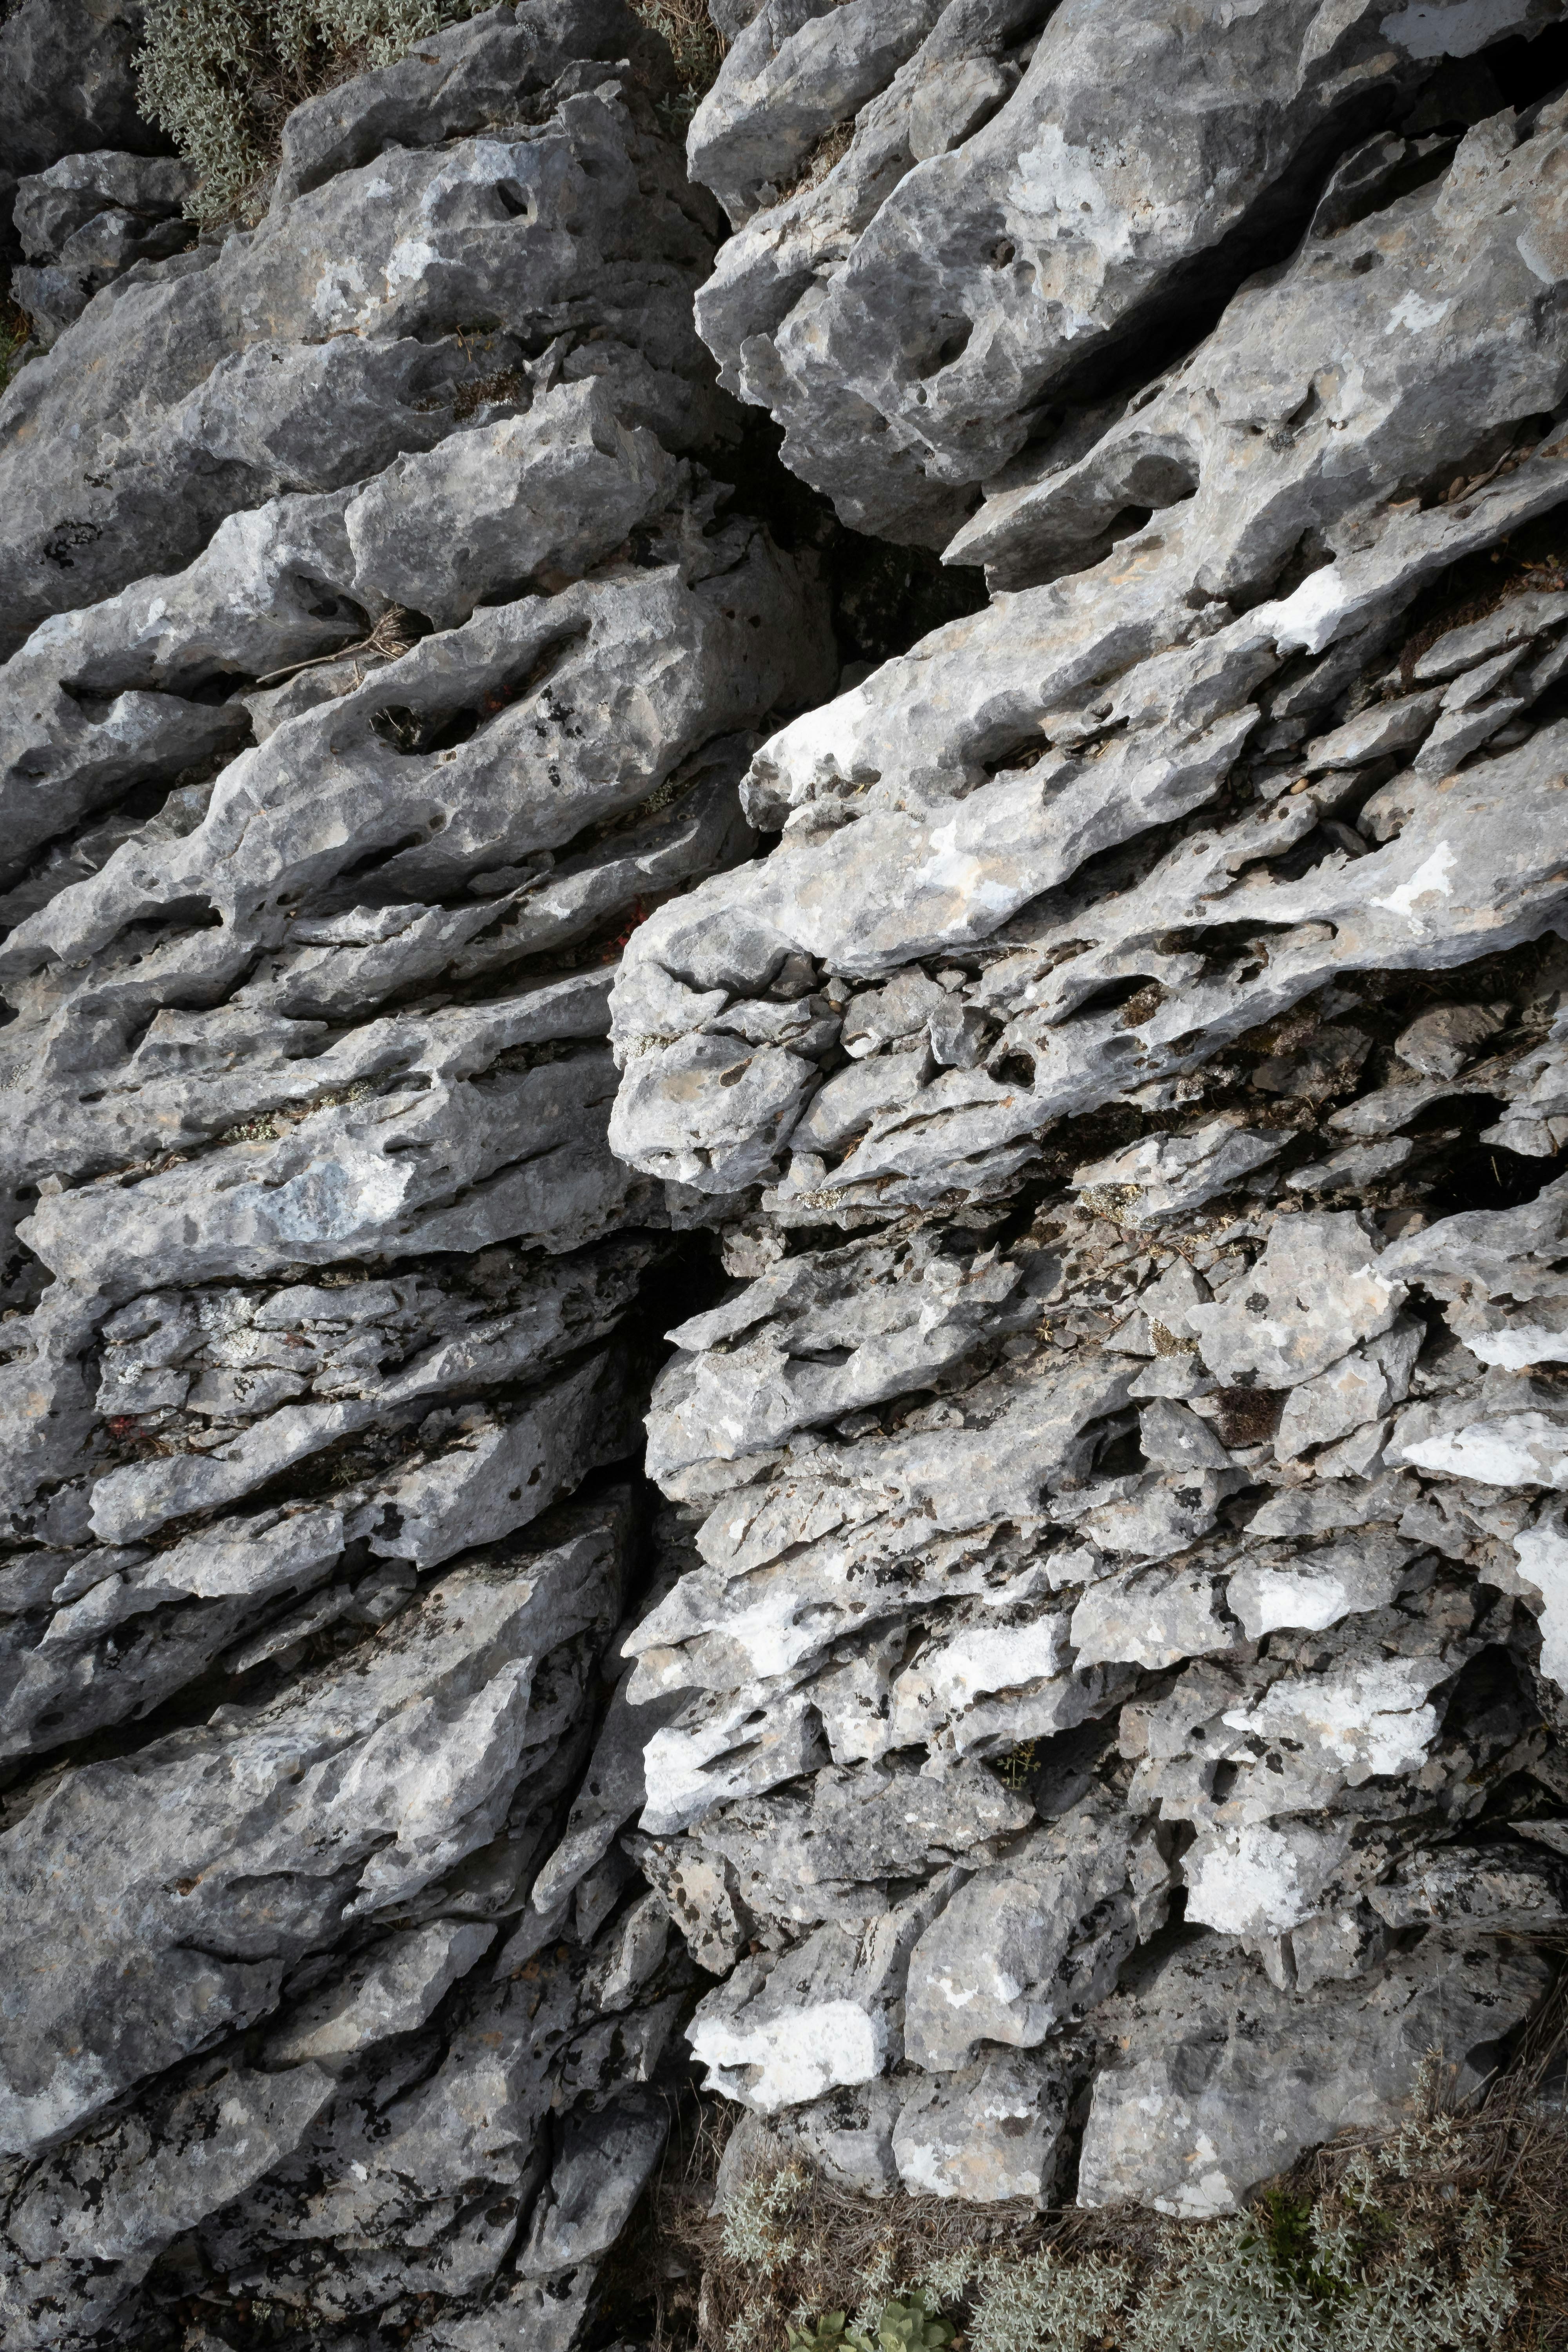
[(1535, 557), (393, 635), (1462, 2209), (16, 331), (697, 46), (829, 151)]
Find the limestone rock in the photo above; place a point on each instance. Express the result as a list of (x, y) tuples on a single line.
[(445, 1694), (67, 83), (1009, 1960), (344, 741), (1139, 1385), (90, 2221), (393, 1990), (1225, 2080), (88, 219), (1078, 1218), (782, 2032), (312, 351), (986, 2133), (954, 223)]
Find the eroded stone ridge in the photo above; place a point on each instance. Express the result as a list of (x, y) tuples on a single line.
[(1079, 1225), (1116, 1714), (956, 224), (379, 653)]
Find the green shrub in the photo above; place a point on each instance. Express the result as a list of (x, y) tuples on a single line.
[(1447, 2233), (1343, 2275), (222, 76), (910, 2322), (1391, 2247), (828, 2334)]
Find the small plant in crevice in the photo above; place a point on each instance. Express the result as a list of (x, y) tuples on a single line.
[(827, 2334), (1446, 2234), (829, 151), (221, 77), (16, 335), (697, 48), (756, 2220), (1284, 2224), (908, 2323)]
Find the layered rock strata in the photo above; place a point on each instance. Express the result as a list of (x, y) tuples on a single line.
[(960, 228), (1117, 1713), (1088, 1716), (378, 655)]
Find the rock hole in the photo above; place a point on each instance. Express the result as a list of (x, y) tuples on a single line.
[(1112, 995), (1016, 1068)]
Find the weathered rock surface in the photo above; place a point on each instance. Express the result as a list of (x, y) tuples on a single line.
[(959, 225), (1118, 1703), (1088, 1714), (308, 353), (355, 1843), (342, 745), (67, 84), (86, 220)]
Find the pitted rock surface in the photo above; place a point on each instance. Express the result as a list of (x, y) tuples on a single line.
[(1133, 1095), (307, 353), (956, 225), (345, 741), (854, 1394)]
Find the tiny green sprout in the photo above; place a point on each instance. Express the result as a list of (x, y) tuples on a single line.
[(911, 2324), (829, 2334), (1288, 2231)]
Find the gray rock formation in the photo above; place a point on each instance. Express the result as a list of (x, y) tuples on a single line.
[(67, 84), (67, 81), (392, 291), (1077, 1221), (958, 223), (84, 221), (402, 667), (1118, 1703)]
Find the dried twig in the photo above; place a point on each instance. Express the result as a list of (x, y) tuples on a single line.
[(393, 636)]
